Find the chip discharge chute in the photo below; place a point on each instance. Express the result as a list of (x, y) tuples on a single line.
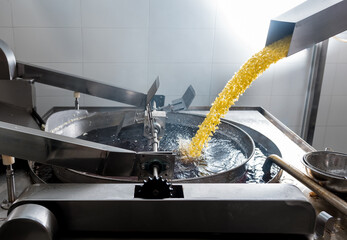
[(309, 23)]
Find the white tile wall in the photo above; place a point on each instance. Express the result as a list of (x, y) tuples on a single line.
[(48, 44), (128, 43), (222, 73), (43, 90), (290, 79), (332, 113), (227, 48), (46, 13), (182, 13), (92, 101), (338, 111), (46, 103), (176, 78), (329, 76), (115, 45), (335, 138), (180, 45), (289, 109), (255, 101), (6, 34), (323, 110), (131, 76), (340, 83), (343, 48), (5, 13), (115, 13), (318, 141)]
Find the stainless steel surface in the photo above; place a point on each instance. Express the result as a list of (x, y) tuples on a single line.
[(290, 145), (74, 123), (77, 124), (314, 90), (8, 62), (309, 23), (152, 91), (328, 196), (324, 226), (182, 103), (18, 92), (327, 168), (82, 85), (163, 163), (11, 186), (155, 172), (205, 208), (29, 222), (64, 151), (17, 115)]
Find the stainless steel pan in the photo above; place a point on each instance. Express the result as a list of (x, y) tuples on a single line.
[(328, 168)]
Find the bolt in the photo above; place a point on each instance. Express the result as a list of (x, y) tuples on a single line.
[(143, 166)]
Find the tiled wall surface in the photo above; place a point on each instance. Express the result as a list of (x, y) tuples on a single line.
[(331, 130), (128, 43)]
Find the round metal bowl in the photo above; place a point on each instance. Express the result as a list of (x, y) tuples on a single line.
[(75, 123), (328, 168)]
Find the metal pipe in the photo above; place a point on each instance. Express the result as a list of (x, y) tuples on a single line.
[(314, 90), (77, 96), (331, 198), (155, 141), (11, 186), (155, 172), (309, 23)]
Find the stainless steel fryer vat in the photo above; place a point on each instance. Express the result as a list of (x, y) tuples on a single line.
[(81, 122)]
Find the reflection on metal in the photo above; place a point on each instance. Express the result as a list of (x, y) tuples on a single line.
[(8, 62), (49, 148), (30, 222), (86, 123), (327, 168), (328, 196), (309, 23), (182, 103), (112, 208), (79, 84), (324, 226), (314, 91), (18, 92), (152, 91)]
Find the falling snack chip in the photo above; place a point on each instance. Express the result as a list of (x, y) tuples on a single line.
[(236, 86)]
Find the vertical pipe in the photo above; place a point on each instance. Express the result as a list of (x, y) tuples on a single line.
[(77, 96), (155, 172), (314, 91), (11, 187)]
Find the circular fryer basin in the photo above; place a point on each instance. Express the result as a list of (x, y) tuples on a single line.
[(226, 156)]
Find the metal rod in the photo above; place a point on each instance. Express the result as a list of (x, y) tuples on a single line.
[(314, 91), (77, 96), (80, 84), (11, 186), (155, 172), (77, 104), (331, 198), (153, 130)]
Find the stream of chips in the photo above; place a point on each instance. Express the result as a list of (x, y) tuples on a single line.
[(236, 86)]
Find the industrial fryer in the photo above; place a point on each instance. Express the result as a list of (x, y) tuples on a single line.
[(113, 173)]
